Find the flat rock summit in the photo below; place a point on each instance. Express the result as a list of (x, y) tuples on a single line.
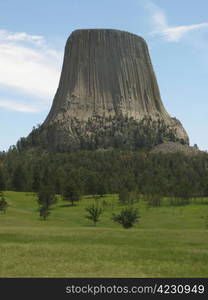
[(108, 97)]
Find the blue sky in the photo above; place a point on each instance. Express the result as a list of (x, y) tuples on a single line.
[(32, 40)]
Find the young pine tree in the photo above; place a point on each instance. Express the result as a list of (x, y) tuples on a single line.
[(94, 212), (71, 193), (46, 198), (3, 203)]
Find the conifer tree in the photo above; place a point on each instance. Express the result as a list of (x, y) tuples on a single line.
[(46, 198)]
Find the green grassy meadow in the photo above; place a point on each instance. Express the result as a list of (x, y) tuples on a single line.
[(169, 241)]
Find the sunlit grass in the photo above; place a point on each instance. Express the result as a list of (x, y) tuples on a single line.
[(168, 241)]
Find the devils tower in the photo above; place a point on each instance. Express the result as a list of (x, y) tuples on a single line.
[(108, 97)]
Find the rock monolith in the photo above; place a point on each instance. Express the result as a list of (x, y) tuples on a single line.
[(108, 97)]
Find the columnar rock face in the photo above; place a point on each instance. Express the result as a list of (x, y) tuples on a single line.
[(108, 96)]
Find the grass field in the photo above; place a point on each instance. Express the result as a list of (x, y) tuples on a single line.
[(168, 242)]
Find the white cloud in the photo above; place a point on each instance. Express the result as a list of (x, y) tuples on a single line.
[(21, 36), (28, 70), (13, 105), (177, 32), (161, 27), (28, 66)]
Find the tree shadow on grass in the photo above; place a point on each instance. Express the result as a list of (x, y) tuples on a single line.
[(67, 205), (89, 225)]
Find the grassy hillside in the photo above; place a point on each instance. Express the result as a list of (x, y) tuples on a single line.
[(168, 242)]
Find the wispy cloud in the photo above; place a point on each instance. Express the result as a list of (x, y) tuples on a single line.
[(29, 66), (176, 33), (13, 105), (21, 36), (161, 27)]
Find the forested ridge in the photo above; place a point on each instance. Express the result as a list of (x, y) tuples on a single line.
[(106, 171)]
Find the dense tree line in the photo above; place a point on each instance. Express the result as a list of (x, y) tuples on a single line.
[(106, 171)]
